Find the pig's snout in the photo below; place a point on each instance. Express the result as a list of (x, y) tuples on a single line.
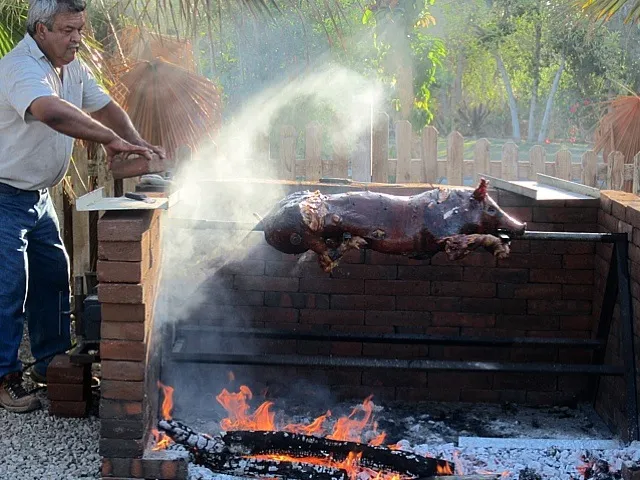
[(512, 225)]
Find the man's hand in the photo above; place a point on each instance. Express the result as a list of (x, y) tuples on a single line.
[(154, 148), (118, 145)]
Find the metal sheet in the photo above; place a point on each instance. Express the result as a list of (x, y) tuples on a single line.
[(96, 201), (547, 188), (568, 186)]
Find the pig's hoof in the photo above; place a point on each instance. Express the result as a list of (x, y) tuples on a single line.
[(501, 251)]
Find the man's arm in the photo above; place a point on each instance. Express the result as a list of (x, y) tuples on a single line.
[(114, 117), (65, 118)]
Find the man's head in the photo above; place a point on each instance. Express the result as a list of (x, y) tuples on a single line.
[(57, 25)]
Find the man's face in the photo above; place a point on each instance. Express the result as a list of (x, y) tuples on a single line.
[(62, 42)]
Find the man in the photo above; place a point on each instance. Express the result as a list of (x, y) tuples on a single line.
[(44, 94)]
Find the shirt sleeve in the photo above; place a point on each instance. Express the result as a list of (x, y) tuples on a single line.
[(22, 82), (94, 97)]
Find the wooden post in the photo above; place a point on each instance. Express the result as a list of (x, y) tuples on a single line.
[(81, 261), (509, 161), (455, 158), (481, 158), (263, 154), (313, 152), (429, 152), (380, 148), (590, 168), (615, 171), (403, 146), (287, 170), (340, 164), (563, 164), (537, 161), (57, 197)]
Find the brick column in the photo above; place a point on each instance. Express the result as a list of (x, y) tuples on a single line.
[(128, 274)]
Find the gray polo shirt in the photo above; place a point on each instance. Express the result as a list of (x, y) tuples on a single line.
[(33, 155)]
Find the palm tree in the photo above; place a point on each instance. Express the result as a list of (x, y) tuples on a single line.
[(605, 9)]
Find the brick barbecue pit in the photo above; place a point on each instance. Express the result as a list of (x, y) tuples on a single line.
[(551, 289)]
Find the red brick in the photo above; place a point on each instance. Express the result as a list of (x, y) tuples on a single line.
[(545, 227), (67, 392), (394, 378), (124, 251), (524, 381), (118, 390), (531, 260), (243, 267), (122, 350), (429, 304), (266, 284), (122, 331), (583, 262), (464, 289), (619, 210), (331, 285), (479, 396), (115, 312), (366, 272), (68, 409), (363, 302), (606, 201), (121, 293), (331, 317), (120, 409), (377, 258), (496, 275), (558, 307), (609, 222), (373, 317), (577, 292), (125, 371), (529, 290), (464, 380), (125, 226), (295, 300), (454, 319), (576, 322), (493, 305), (397, 287), (564, 215), (581, 277), (62, 370), (428, 272), (534, 354), (120, 272), (554, 247)]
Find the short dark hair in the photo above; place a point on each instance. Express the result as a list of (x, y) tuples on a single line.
[(45, 11)]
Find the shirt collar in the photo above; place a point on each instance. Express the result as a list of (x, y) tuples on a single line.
[(34, 49)]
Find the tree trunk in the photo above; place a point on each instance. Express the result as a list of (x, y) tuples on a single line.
[(513, 105), (457, 83), (547, 111), (531, 133)]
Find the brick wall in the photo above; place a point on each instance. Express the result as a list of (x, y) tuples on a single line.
[(619, 213), (128, 273), (542, 289)]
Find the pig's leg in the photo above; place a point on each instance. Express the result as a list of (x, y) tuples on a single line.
[(459, 246), (329, 257)]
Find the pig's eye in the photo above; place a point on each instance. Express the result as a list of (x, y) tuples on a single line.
[(491, 211)]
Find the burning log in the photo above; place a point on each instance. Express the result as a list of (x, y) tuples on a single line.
[(218, 453), (453, 220)]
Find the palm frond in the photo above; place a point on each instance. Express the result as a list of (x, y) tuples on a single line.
[(169, 105), (605, 9), (619, 130)]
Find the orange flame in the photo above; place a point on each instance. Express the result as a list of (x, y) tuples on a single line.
[(167, 402), (162, 440)]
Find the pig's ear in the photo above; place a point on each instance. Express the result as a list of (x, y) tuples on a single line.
[(480, 193)]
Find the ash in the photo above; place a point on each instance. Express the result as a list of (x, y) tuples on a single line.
[(518, 442)]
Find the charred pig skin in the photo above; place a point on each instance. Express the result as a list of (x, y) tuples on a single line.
[(454, 220)]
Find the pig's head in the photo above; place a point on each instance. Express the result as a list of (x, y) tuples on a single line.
[(491, 219)]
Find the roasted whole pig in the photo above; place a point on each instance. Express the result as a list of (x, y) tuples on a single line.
[(454, 220)]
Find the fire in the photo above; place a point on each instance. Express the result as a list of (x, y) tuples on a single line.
[(444, 470), (162, 440)]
